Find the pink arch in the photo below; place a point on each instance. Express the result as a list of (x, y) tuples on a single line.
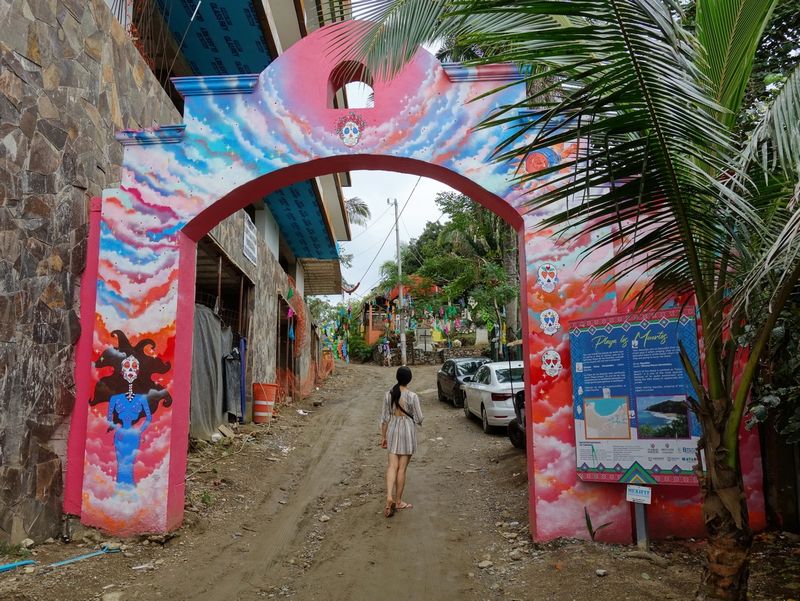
[(245, 136)]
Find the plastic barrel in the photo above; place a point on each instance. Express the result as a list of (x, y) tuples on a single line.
[(263, 402)]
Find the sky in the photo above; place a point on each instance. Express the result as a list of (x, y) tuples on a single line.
[(375, 187)]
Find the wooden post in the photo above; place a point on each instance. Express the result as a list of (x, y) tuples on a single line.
[(218, 304)]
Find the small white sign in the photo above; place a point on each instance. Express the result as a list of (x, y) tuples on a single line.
[(250, 245), (638, 494)]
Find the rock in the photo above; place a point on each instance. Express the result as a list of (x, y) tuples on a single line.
[(646, 576), (324, 518), (29, 570), (601, 573), (485, 564), (26, 543), (515, 555), (113, 545), (49, 541), (791, 537), (161, 539), (114, 596)]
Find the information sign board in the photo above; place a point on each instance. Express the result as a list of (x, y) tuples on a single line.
[(633, 422)]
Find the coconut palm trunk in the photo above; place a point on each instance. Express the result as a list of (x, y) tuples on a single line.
[(727, 551)]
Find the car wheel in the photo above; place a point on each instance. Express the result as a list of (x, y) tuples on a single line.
[(467, 413), (440, 393), (458, 398), (485, 420), (516, 435)]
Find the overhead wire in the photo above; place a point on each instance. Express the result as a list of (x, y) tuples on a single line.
[(375, 221), (389, 233)]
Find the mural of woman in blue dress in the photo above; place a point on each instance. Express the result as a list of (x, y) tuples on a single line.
[(133, 398), (127, 408)]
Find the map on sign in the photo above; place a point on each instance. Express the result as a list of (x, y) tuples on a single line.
[(607, 418), (631, 394)]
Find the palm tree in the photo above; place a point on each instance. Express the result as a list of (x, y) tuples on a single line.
[(661, 179), (358, 212)]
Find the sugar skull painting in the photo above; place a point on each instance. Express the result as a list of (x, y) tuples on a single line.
[(551, 362), (132, 399), (548, 277), (548, 321), (350, 128)]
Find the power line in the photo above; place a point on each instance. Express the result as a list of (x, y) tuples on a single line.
[(371, 263), (374, 222)]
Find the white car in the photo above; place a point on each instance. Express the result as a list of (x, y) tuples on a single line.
[(489, 393)]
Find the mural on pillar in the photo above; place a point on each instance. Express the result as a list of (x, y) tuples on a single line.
[(238, 129)]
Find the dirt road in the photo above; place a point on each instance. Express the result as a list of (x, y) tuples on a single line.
[(294, 510)]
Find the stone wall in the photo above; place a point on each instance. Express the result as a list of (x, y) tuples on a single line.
[(463, 352), (69, 78)]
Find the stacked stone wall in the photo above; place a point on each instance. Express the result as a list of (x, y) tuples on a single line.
[(69, 79)]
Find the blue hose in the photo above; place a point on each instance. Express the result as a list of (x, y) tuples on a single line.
[(13, 566)]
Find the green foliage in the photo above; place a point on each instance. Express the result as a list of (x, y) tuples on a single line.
[(466, 257), (776, 393), (593, 531), (778, 54), (321, 311), (13, 551), (677, 428), (358, 347)]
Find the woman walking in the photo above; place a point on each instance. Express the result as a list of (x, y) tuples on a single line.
[(399, 420)]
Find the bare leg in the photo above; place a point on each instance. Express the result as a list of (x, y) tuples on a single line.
[(391, 477), (401, 477)]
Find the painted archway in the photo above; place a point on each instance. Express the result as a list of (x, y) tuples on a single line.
[(243, 137)]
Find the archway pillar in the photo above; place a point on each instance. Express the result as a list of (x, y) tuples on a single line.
[(558, 278)]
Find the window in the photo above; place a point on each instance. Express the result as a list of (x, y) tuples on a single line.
[(483, 377), (467, 368), (515, 374)]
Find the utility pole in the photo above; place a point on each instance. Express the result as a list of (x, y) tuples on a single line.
[(402, 316)]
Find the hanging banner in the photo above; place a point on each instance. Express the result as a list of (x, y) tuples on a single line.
[(630, 392), (250, 244)]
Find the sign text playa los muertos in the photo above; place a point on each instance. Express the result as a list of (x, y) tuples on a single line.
[(633, 422)]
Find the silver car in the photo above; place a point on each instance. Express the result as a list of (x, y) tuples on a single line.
[(489, 393)]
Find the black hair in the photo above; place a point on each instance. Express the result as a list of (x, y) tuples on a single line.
[(403, 378), (114, 383)]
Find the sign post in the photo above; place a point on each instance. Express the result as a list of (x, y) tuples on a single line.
[(640, 496)]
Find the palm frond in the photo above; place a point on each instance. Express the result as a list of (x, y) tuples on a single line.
[(728, 32), (775, 142), (773, 151), (652, 150), (358, 212), (388, 33)]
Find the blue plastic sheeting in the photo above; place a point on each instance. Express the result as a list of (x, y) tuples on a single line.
[(301, 222), (225, 37)]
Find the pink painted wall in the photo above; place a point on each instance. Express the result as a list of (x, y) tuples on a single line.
[(243, 138)]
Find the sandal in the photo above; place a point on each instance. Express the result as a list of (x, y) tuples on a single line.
[(405, 506), (389, 510)]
